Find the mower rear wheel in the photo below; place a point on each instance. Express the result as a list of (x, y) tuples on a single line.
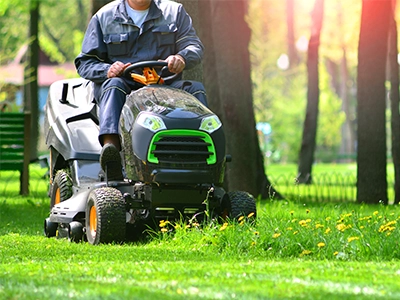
[(105, 216), (61, 189), (242, 204)]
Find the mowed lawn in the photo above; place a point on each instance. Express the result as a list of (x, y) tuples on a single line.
[(296, 250)]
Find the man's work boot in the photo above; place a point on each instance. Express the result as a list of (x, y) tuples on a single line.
[(110, 161)]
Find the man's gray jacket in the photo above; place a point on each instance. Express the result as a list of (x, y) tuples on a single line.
[(112, 36)]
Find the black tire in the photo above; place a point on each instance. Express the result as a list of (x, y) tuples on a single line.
[(75, 232), (105, 216), (242, 204), (50, 228), (61, 188)]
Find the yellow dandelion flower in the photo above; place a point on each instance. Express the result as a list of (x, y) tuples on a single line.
[(256, 233), (375, 213), (223, 227), (342, 227), (241, 223), (319, 226), (305, 252), (240, 218), (328, 230), (292, 212), (389, 226), (308, 220), (321, 245), (335, 253), (250, 215), (295, 232), (253, 243), (276, 235), (362, 227), (164, 229), (352, 238), (388, 233), (177, 226), (307, 211), (303, 223), (289, 228), (163, 223)]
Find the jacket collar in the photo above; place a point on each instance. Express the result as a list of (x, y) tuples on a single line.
[(121, 15)]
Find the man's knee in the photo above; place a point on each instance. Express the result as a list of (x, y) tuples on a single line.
[(195, 88)]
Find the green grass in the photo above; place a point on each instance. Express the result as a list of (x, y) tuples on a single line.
[(236, 260), (331, 182)]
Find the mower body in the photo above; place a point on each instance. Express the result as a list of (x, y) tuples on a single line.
[(173, 153)]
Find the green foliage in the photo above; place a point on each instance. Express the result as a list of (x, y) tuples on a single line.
[(280, 96), (330, 121), (10, 30), (62, 24)]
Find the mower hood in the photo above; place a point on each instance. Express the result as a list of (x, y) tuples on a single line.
[(169, 102)]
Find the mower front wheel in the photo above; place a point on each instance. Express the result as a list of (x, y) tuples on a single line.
[(105, 216), (242, 204)]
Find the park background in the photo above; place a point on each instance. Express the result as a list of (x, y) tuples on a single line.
[(291, 67)]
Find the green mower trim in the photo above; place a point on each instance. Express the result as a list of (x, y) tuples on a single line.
[(205, 140)]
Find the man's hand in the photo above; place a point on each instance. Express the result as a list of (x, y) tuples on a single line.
[(116, 69), (176, 63)]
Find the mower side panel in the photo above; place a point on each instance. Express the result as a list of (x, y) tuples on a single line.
[(70, 123)]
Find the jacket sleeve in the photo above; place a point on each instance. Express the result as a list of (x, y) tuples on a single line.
[(92, 62), (188, 44)]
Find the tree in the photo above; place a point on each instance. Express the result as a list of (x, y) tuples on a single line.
[(31, 96), (394, 101), (228, 83), (192, 8), (306, 157), (95, 5), (371, 97)]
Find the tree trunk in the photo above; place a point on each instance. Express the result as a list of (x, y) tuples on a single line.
[(394, 102), (31, 90), (95, 5), (371, 100), (348, 132), (228, 83), (306, 157), (192, 8)]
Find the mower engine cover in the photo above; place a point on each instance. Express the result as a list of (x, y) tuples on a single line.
[(169, 137)]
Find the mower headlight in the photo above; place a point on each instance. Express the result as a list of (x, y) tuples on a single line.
[(150, 122), (210, 124)]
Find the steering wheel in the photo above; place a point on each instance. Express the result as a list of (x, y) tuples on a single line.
[(150, 75)]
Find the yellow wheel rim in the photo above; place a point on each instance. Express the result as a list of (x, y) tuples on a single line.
[(93, 221), (57, 198)]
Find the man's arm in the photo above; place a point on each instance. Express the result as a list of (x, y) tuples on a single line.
[(188, 44), (92, 62)]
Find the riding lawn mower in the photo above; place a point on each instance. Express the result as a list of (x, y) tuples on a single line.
[(173, 160)]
